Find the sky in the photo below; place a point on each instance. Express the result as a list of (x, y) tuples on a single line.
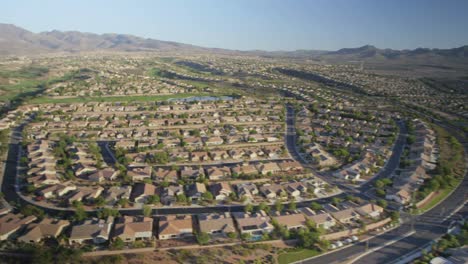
[(256, 24)]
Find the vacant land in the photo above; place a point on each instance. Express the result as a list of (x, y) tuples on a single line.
[(296, 255)]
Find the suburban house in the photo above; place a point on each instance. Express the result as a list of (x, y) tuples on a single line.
[(57, 190), (129, 228), (141, 191), (169, 194), (10, 223), (220, 190), (273, 191), (196, 190), (245, 169), (295, 189), (93, 230), (255, 224), (291, 220), (247, 189), (107, 174), (115, 193), (215, 173), (172, 226), (48, 227), (289, 165), (321, 219), (270, 167), (346, 216), (370, 210), (139, 173), (216, 223), (213, 141), (85, 193), (188, 172), (166, 175), (43, 179), (402, 196), (196, 156)]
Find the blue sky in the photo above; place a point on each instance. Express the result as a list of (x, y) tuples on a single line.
[(256, 24)]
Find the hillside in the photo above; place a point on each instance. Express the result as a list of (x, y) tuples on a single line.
[(17, 41)]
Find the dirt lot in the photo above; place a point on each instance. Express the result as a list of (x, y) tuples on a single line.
[(250, 253)]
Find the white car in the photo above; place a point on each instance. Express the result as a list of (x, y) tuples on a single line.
[(355, 238), (339, 244), (349, 241), (332, 246)]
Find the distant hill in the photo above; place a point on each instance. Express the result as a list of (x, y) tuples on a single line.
[(371, 52), (18, 41)]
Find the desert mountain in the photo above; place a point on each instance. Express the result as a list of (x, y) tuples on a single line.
[(15, 40), (18, 41)]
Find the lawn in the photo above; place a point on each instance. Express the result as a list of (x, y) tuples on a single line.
[(142, 98), (296, 255), (452, 157), (435, 200), (11, 91)]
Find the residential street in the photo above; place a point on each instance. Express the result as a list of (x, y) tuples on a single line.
[(427, 227)]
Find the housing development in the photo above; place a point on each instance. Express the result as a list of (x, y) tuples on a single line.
[(229, 157)]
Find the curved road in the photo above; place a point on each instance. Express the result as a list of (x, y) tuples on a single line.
[(10, 186), (428, 226)]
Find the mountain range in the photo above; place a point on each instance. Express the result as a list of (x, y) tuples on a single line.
[(18, 41), (371, 51)]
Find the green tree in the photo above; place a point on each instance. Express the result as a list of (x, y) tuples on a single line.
[(248, 208), (208, 196), (336, 201), (382, 203), (387, 181), (380, 193), (153, 199), (147, 210), (246, 236), (292, 206), (32, 210), (123, 202), (278, 206), (181, 198), (264, 207), (311, 225), (307, 239), (203, 238), (99, 201), (80, 213), (316, 206), (106, 212), (117, 244)]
